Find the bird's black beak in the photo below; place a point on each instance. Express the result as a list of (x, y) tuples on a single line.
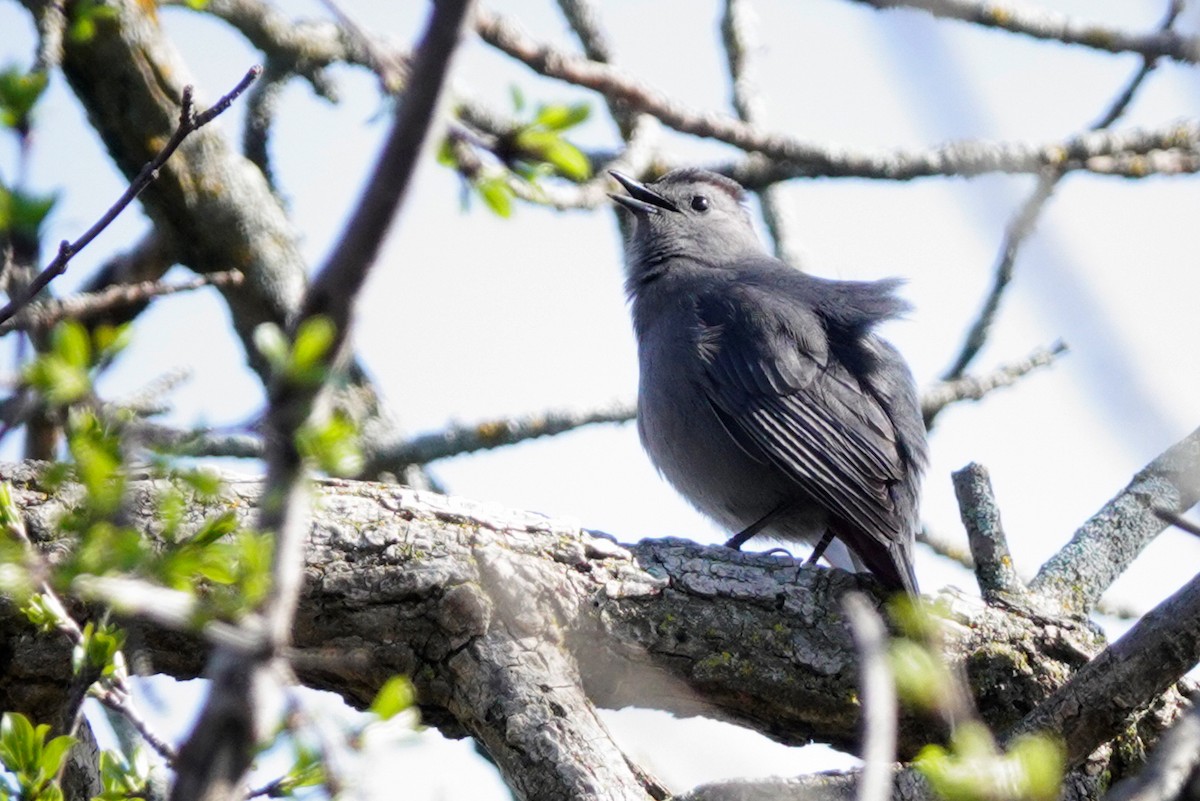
[(640, 199)]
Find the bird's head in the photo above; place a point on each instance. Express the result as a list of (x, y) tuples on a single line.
[(689, 214)]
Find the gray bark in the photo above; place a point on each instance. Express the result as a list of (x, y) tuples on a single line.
[(514, 626)]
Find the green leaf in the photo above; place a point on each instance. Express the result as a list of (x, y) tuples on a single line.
[(53, 755), (561, 117), (396, 695), (518, 98), (921, 678), (121, 781), (196, 5), (110, 340), (85, 15), (569, 161), (98, 464), (58, 382), (69, 341), (497, 194), (551, 148), (19, 743), (332, 444), (446, 155), (214, 529), (41, 613), (1042, 764), (99, 648), (205, 482), (272, 345), (23, 213), (310, 352), (10, 515), (19, 93), (307, 771)]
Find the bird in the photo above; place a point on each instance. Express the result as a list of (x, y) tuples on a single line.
[(765, 396)]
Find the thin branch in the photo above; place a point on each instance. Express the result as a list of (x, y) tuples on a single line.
[(213, 761), (1075, 577), (51, 22), (1021, 226), (790, 157), (879, 706), (972, 388), (946, 549), (584, 20), (1016, 232), (1178, 521), (189, 121), (459, 440), (87, 305), (198, 443), (1095, 704), (962, 556), (119, 701), (739, 37), (998, 579), (261, 105), (1056, 27)]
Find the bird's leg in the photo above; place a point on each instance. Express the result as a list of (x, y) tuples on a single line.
[(819, 551), (738, 540)]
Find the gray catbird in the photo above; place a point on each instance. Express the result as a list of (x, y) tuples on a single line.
[(765, 398)]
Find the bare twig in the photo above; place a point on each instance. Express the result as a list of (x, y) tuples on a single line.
[(1018, 229), (943, 393), (1053, 26), (189, 121), (95, 304), (260, 113), (962, 556), (980, 513), (879, 705), (1075, 577), (739, 36), (1178, 521), (1022, 223), (218, 752), (459, 440), (791, 157), (946, 549), (118, 700), (584, 20)]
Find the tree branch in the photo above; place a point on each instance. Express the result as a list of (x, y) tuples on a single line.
[(1097, 702), (738, 36), (1021, 226), (941, 394), (221, 746), (463, 439), (1056, 27), (880, 708), (114, 298), (1075, 577), (189, 122), (998, 579), (790, 157), (1171, 765)]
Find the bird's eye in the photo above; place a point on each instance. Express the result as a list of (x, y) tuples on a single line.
[(699, 203)]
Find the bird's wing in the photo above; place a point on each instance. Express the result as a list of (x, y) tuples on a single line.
[(788, 396)]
